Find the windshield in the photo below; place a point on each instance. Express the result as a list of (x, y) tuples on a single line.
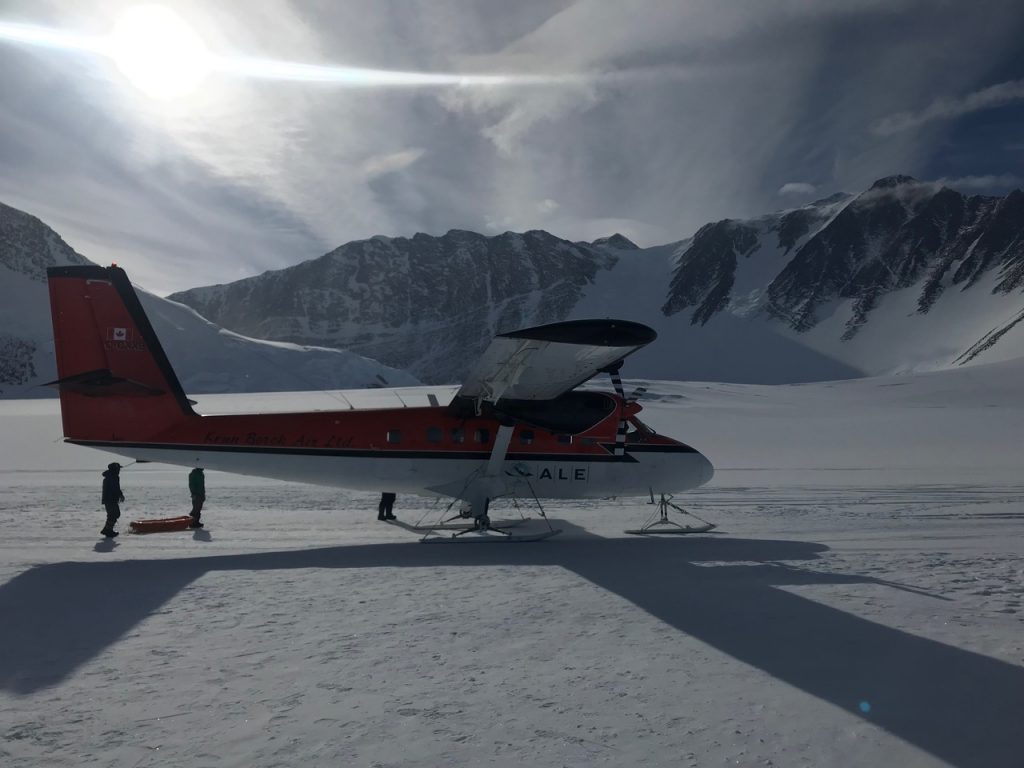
[(640, 427)]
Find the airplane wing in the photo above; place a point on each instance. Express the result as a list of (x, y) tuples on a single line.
[(544, 362)]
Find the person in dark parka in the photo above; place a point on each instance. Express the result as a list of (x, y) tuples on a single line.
[(387, 501), (111, 496), (197, 487)]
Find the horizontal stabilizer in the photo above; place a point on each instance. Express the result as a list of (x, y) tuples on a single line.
[(102, 383)]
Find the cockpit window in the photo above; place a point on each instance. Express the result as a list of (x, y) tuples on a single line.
[(568, 414), (640, 427)]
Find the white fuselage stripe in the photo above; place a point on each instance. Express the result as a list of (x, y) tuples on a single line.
[(569, 478)]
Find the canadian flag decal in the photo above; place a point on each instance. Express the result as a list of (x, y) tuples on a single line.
[(124, 340)]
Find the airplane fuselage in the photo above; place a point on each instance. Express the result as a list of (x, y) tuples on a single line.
[(517, 425), (421, 450)]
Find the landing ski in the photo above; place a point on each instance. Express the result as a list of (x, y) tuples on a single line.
[(676, 531), (463, 526), (489, 537)]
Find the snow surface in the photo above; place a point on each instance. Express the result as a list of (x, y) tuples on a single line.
[(860, 603)]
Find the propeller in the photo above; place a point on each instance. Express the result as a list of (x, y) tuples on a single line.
[(636, 394), (620, 434)]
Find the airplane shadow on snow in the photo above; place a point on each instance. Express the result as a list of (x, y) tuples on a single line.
[(962, 707)]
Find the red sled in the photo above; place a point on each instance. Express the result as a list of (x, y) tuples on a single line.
[(160, 525)]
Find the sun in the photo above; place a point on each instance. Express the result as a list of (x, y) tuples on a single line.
[(158, 52)]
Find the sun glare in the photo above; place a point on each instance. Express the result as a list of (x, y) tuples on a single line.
[(158, 52), (166, 59)]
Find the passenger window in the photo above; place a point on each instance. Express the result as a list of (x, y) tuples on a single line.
[(394, 435), (526, 437), (434, 434), (565, 439), (458, 435), (482, 436), (589, 441)]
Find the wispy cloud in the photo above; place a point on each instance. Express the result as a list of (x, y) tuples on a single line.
[(379, 165), (983, 183), (663, 116), (797, 189), (946, 109)]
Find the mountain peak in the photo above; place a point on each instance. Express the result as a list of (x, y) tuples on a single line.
[(618, 241), (834, 198), (889, 182), (28, 246)]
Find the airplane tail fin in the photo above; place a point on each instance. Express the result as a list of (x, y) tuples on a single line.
[(115, 382)]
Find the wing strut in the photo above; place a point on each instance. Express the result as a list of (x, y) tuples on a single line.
[(500, 450), (492, 482)]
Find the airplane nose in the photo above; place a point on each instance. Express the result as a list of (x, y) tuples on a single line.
[(705, 468)]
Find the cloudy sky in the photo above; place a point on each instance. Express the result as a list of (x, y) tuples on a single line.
[(183, 143)]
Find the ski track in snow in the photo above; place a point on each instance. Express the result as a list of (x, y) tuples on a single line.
[(298, 630)]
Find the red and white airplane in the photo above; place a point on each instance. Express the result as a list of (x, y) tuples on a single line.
[(517, 427)]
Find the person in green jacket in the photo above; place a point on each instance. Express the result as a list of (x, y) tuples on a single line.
[(197, 487)]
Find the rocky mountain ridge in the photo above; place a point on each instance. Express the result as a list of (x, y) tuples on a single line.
[(812, 276), (412, 302), (905, 276), (207, 358), (897, 235)]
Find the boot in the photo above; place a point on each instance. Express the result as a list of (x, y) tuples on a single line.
[(195, 523), (109, 532)]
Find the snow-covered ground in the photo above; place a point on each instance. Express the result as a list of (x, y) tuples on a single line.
[(860, 604)]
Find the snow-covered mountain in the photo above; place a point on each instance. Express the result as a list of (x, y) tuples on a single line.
[(427, 304), (905, 276), (207, 358)]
